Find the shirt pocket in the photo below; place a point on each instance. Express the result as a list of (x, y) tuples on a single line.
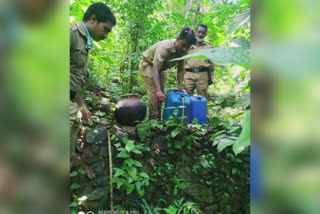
[(79, 58)]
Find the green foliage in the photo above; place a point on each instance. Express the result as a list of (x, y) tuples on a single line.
[(113, 68), (149, 209), (178, 207), (127, 177), (223, 56), (244, 139), (241, 20)]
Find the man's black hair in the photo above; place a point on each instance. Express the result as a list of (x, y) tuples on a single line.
[(203, 25), (102, 12), (188, 34)]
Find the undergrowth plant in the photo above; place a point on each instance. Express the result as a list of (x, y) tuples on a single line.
[(127, 176)]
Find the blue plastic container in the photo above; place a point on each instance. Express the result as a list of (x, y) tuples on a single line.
[(198, 109), (174, 101)]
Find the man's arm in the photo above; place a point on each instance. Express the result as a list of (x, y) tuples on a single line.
[(180, 75), (156, 80), (86, 114)]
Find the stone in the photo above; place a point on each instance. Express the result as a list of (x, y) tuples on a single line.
[(97, 135), (104, 151), (98, 193), (93, 160), (199, 192), (99, 168), (88, 153), (101, 181)]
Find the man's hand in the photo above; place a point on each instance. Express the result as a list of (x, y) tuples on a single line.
[(86, 115), (180, 89), (161, 96)]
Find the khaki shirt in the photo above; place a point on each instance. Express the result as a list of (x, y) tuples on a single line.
[(78, 57), (160, 54), (198, 63)]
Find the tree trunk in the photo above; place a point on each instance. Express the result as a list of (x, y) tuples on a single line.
[(196, 15), (189, 8)]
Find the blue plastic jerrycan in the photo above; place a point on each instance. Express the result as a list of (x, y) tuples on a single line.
[(198, 109), (177, 101)]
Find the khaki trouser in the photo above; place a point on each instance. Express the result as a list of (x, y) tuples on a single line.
[(154, 104), (74, 128), (196, 80)]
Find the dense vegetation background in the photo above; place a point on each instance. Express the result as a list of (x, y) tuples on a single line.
[(217, 154)]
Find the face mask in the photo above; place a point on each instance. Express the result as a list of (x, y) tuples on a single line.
[(200, 40)]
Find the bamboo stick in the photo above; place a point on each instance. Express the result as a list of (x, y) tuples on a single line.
[(110, 171)]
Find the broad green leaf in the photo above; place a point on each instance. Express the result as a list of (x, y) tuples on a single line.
[(123, 154), (132, 171), (214, 121), (140, 191), (195, 121), (222, 56), (130, 188), (118, 172), (73, 204), (137, 163), (73, 174), (241, 42), (234, 171), (240, 20), (143, 174), (244, 139), (124, 140), (243, 101), (216, 134), (136, 151), (138, 184), (75, 186), (121, 182), (171, 209), (175, 132), (177, 146), (130, 145), (128, 162), (138, 188), (224, 143), (114, 180), (204, 162)]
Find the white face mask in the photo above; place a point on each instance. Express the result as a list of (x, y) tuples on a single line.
[(200, 40)]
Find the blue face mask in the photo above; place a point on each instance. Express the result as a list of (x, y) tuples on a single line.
[(89, 39)]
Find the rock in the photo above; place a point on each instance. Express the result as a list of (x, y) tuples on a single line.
[(96, 150), (89, 154), (90, 173), (101, 181), (97, 135), (104, 151), (98, 193), (93, 160), (161, 141), (100, 168), (199, 192)]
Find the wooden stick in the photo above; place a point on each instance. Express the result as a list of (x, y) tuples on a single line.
[(110, 171)]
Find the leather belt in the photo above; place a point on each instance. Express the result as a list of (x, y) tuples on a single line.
[(196, 70)]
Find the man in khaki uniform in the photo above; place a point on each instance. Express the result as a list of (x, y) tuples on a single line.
[(155, 61), (96, 24), (198, 71)]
